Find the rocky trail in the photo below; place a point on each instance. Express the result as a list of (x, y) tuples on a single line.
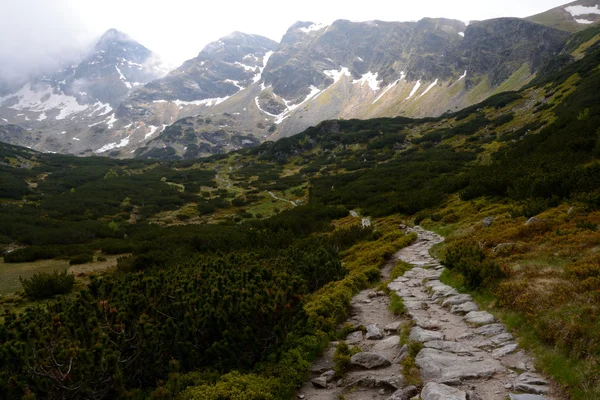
[(466, 354)]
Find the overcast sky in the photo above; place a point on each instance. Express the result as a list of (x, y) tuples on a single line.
[(36, 33)]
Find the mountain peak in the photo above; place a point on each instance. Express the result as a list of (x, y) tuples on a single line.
[(113, 37)]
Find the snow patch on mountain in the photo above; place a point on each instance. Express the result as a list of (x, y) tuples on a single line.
[(235, 83), (461, 34), (314, 28), (463, 76), (113, 145), (122, 77), (429, 88), (576, 11), (266, 57), (337, 75), (44, 100), (414, 90), (583, 21), (153, 130), (389, 87), (369, 78)]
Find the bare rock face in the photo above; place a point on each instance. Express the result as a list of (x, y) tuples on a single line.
[(436, 391), (369, 360)]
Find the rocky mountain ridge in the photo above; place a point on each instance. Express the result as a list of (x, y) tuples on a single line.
[(244, 89)]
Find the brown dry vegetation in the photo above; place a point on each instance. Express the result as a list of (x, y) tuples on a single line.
[(551, 295)]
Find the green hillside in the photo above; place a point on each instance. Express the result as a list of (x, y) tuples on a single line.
[(236, 270)]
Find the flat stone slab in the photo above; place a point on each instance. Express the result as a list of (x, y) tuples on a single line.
[(393, 327), (479, 318), (386, 344), (490, 330), (531, 383), (423, 335), (449, 368), (457, 300), (450, 347), (527, 397), (501, 338), (369, 360), (464, 308), (372, 380), (426, 323), (505, 350), (436, 391)]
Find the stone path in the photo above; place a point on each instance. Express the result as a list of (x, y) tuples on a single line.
[(466, 354)]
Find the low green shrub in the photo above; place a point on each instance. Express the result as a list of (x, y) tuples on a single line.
[(474, 265), (81, 259), (43, 285)]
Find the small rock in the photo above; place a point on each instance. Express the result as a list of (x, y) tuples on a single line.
[(479, 318), (369, 360), (487, 222), (531, 383), (531, 221), (436, 391), (507, 386), (570, 210), (301, 396), (354, 337), (320, 382), (422, 335), (464, 308), (505, 350), (404, 394), (373, 332), (393, 327), (382, 392)]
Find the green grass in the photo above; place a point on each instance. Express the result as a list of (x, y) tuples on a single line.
[(397, 304), (10, 273)]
